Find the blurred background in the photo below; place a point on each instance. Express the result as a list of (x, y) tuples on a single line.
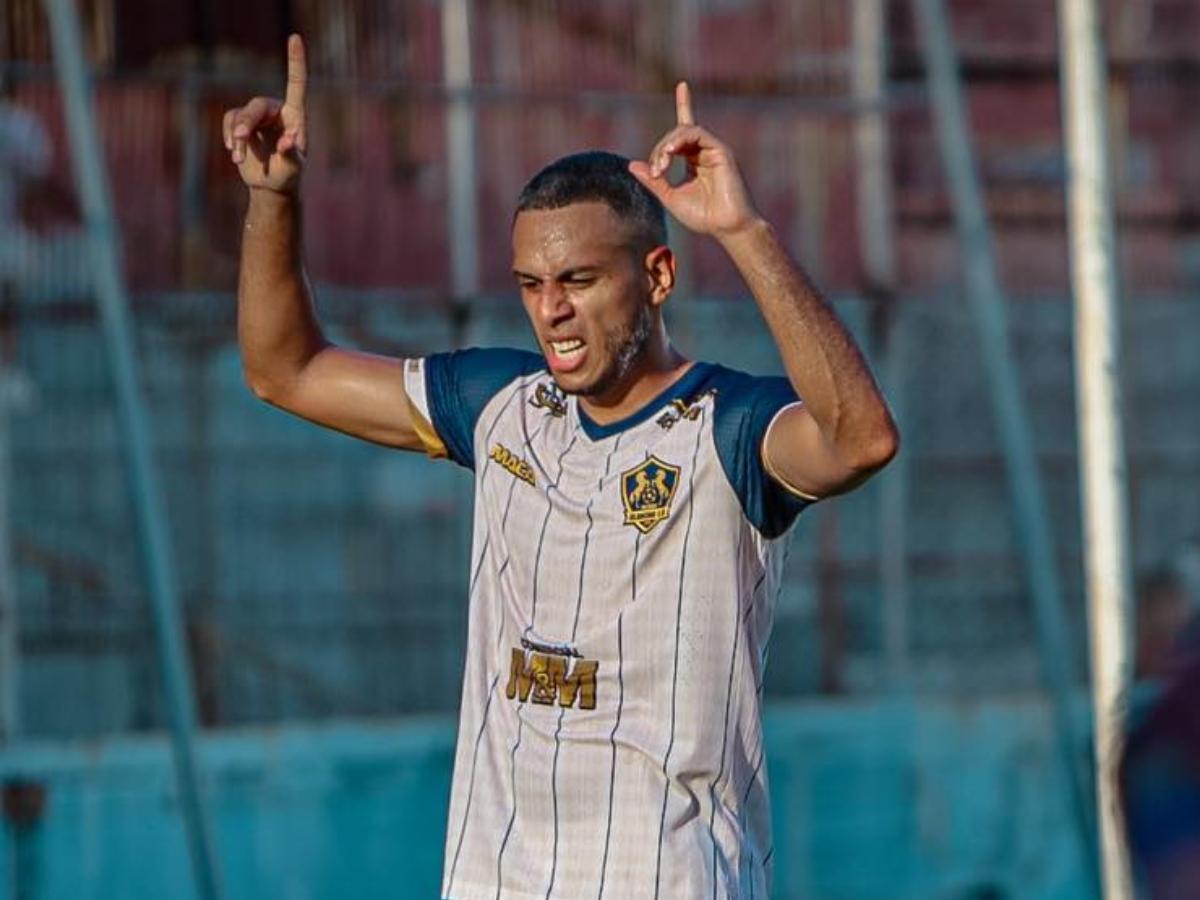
[(914, 749)]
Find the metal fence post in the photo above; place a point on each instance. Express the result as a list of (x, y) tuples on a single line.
[(156, 556), (1024, 479), (461, 174), (1101, 444)]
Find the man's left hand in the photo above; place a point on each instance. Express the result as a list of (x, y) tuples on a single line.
[(712, 197)]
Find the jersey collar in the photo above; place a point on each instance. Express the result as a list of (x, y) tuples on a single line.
[(682, 388)]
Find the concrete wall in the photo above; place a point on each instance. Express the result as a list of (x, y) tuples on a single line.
[(873, 800)]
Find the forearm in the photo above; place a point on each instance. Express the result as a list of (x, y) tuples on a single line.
[(278, 330), (819, 354)]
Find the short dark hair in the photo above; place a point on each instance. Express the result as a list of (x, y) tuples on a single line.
[(597, 175)]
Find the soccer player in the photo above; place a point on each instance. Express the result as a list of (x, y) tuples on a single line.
[(631, 509)]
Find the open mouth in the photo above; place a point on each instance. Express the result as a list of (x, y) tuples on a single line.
[(567, 349), (566, 354)]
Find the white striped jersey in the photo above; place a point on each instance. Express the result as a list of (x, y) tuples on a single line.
[(622, 586)]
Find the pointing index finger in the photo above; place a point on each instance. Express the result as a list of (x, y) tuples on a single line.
[(297, 73), (683, 104)]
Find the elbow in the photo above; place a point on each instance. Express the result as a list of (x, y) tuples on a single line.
[(262, 387), (274, 377), (886, 448), (878, 448)]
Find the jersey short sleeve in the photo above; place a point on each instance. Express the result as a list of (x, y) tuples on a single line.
[(448, 391), (745, 408)]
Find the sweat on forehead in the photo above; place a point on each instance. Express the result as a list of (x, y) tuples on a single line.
[(597, 175)]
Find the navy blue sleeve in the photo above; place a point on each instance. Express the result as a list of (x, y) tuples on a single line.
[(459, 385), (745, 406)]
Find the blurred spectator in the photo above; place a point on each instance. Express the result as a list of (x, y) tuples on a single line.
[(1160, 770), (25, 154), (36, 261), (1163, 609), (25, 157)]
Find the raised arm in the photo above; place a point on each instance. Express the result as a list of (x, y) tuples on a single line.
[(286, 358), (843, 431)]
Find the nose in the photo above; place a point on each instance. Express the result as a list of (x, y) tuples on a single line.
[(552, 304)]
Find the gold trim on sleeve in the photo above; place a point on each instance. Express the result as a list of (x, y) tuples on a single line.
[(769, 466), (425, 431)]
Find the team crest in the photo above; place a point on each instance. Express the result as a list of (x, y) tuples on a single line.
[(647, 491)]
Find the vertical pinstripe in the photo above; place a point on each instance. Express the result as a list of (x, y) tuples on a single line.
[(587, 534), (462, 831), (495, 678), (766, 644), (612, 737), (554, 797), (712, 790), (537, 570), (508, 831), (532, 620), (516, 392), (687, 535), (762, 755)]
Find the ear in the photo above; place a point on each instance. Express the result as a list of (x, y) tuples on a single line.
[(659, 267)]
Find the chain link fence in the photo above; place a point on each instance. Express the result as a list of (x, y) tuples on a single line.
[(326, 577)]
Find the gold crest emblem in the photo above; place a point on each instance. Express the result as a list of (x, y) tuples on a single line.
[(647, 490)]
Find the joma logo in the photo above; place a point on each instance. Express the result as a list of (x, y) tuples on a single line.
[(513, 463)]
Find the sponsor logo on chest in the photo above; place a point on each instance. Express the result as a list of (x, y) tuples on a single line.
[(547, 674), (512, 463)]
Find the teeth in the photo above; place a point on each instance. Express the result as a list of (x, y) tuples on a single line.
[(567, 348)]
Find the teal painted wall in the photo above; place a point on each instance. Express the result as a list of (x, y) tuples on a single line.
[(871, 800)]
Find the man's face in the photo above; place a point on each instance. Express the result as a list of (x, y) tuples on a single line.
[(587, 294)]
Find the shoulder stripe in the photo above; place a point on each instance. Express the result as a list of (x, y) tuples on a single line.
[(416, 398), (424, 429)]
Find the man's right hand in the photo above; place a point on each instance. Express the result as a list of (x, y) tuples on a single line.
[(266, 138)]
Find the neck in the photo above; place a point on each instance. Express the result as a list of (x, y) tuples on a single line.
[(659, 366)]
